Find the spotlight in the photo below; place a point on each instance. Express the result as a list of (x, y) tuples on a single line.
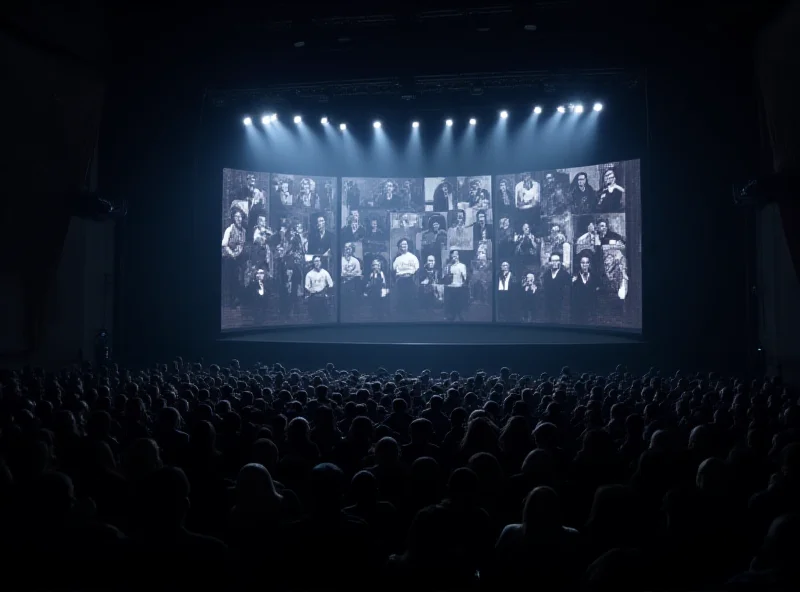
[(578, 108), (449, 123), (415, 124), (297, 119), (247, 121), (274, 117), (598, 106), (561, 109), (265, 120), (537, 109), (376, 124), (504, 114), (342, 126), (324, 121), (473, 121)]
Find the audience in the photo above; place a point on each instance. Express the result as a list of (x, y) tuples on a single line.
[(284, 479)]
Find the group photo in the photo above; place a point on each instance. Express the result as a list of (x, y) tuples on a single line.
[(416, 250), (376, 213), (278, 243), (562, 246)]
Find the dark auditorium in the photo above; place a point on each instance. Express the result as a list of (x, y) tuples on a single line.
[(463, 296)]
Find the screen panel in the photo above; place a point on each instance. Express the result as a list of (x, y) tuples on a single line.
[(279, 249), (416, 250), (569, 246)]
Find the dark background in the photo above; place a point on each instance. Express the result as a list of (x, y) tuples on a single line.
[(160, 147)]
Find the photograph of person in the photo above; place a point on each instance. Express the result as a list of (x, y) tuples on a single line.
[(265, 254), (476, 192), (531, 300), (527, 193), (441, 194), (405, 265), (318, 288), (376, 290), (376, 233), (321, 239), (353, 230), (504, 193), (586, 285), (527, 246), (351, 277), (506, 285), (554, 192), (505, 239), (555, 283), (434, 238), (481, 275), (582, 193), (459, 236), (406, 225), (557, 240), (431, 289), (611, 197), (456, 287), (234, 259)]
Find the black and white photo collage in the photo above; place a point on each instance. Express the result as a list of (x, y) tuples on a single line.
[(278, 246), (564, 246), (381, 223)]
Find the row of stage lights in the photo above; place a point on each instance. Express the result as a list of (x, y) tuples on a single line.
[(576, 108)]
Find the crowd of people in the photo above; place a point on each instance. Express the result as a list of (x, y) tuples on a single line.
[(191, 474)]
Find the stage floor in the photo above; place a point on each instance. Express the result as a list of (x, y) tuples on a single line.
[(460, 335), (465, 348)]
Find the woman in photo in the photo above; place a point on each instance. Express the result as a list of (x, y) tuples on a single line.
[(376, 291), (405, 268)]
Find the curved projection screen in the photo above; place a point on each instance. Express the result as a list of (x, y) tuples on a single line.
[(558, 247)]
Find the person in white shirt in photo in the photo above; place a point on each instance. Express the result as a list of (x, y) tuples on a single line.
[(456, 294), (351, 275), (505, 293), (318, 282), (527, 193), (405, 268)]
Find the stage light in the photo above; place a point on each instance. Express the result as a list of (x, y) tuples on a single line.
[(504, 114), (449, 123), (297, 119), (473, 121), (273, 117), (342, 126), (415, 124), (561, 109), (598, 106), (265, 120), (247, 121), (578, 109), (376, 124), (537, 109), (324, 121)]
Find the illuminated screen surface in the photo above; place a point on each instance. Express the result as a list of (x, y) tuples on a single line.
[(557, 247)]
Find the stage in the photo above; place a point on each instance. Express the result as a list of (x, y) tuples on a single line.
[(465, 348)]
